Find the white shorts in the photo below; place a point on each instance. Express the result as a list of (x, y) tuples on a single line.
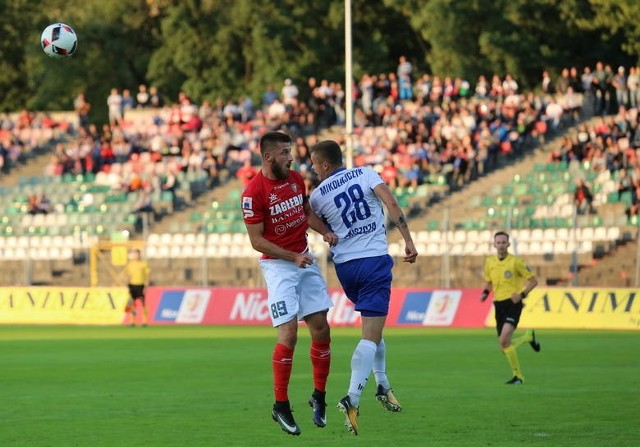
[(293, 291)]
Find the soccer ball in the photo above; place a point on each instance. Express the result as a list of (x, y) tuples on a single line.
[(59, 40)]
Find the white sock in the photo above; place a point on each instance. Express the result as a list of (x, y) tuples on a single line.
[(380, 366), (361, 365)]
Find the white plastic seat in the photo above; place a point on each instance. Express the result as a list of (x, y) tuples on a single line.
[(248, 252), (26, 220), (163, 252), (613, 233), (23, 241), (175, 251), (38, 220), (70, 241), (177, 239), (213, 239), (485, 236), (433, 248), (54, 253), (566, 210), (587, 234), (38, 253), (459, 236), (600, 234), (395, 249), (537, 234), (226, 238), (153, 239), (524, 235), (535, 248), (17, 254), (166, 238), (240, 238), (57, 241), (560, 247), (201, 238), (50, 219), (470, 247), (187, 251), (485, 249), (190, 239), (521, 247), (66, 253), (61, 219), (585, 247), (456, 249), (152, 252), (549, 234)]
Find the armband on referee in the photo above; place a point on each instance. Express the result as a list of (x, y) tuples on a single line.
[(523, 294), (485, 294)]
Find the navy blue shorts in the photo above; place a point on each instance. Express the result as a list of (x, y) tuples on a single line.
[(367, 283)]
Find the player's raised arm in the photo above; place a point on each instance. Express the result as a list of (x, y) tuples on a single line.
[(397, 217)]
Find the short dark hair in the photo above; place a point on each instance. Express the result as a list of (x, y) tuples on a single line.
[(270, 139), (500, 233), (329, 151)]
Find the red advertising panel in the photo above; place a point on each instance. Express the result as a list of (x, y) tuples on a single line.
[(248, 306)]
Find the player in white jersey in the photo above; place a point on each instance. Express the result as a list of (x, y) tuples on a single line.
[(350, 201)]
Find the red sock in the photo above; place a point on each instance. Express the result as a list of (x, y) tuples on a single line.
[(282, 361), (320, 354)]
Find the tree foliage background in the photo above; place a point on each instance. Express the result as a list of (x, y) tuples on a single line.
[(228, 48)]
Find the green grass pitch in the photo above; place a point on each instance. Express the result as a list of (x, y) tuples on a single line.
[(210, 386)]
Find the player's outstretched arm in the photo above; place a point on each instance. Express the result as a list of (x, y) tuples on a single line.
[(397, 217)]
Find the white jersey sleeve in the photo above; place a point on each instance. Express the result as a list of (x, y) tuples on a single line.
[(348, 205)]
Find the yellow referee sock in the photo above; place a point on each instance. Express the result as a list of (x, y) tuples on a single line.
[(512, 357), (526, 338)]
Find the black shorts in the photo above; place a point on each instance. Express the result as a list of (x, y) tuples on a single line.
[(507, 312), (136, 292)]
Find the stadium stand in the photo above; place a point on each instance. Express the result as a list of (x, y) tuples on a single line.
[(517, 175)]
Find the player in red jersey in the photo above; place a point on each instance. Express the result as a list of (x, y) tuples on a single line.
[(277, 215)]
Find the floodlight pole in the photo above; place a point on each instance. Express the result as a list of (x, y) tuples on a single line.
[(348, 85)]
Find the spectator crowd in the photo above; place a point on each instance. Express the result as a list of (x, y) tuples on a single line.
[(411, 127)]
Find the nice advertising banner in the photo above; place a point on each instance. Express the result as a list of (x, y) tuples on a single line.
[(240, 306), (544, 308), (62, 305)]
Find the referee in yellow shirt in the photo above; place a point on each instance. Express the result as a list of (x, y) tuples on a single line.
[(511, 280), (138, 274)]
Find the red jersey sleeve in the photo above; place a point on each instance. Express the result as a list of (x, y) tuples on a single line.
[(252, 202)]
